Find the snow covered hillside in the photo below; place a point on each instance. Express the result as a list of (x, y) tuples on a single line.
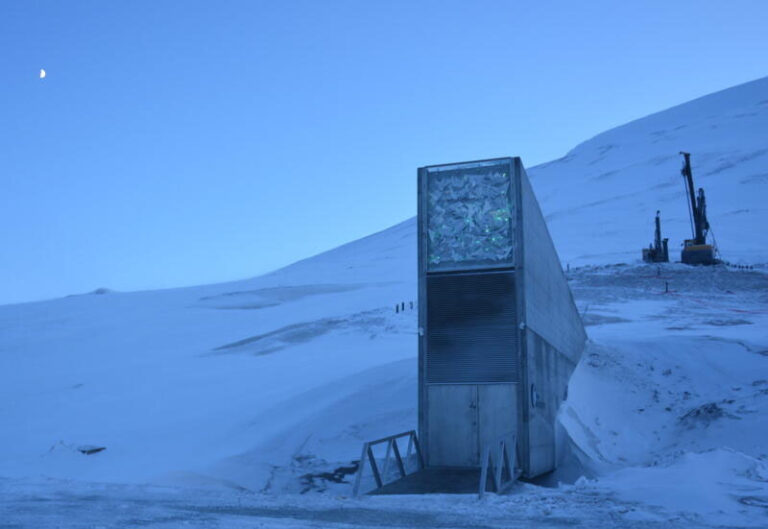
[(270, 385), (600, 199)]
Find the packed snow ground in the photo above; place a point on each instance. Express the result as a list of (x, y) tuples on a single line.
[(220, 405)]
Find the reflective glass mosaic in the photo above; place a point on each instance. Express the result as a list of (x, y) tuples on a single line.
[(470, 216)]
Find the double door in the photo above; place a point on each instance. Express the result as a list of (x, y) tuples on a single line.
[(463, 418)]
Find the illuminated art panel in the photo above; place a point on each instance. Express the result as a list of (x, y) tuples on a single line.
[(470, 216)]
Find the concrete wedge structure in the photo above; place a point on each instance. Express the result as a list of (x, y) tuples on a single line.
[(499, 333)]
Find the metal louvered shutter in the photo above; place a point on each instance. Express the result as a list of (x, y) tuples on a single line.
[(471, 328)]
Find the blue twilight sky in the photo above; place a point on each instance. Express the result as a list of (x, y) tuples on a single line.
[(188, 142)]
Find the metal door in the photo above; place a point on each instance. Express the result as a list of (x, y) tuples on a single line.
[(497, 413), (453, 419)]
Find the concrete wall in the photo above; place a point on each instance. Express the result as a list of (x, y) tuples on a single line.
[(463, 409), (549, 307), (554, 335)]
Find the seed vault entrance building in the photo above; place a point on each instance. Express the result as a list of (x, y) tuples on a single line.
[(499, 333)]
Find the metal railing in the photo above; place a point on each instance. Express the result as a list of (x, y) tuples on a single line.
[(496, 458), (392, 449)]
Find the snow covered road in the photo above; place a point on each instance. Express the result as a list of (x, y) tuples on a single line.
[(57, 504)]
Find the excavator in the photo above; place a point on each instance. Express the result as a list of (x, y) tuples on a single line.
[(696, 251)]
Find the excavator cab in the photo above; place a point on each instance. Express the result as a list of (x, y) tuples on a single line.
[(697, 254)]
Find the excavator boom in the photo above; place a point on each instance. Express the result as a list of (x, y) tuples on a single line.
[(696, 250)]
